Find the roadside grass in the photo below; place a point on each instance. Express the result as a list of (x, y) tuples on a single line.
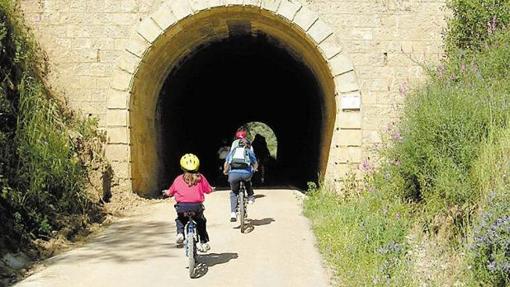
[(441, 183)]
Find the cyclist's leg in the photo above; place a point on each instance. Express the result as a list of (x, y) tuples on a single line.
[(180, 221), (201, 226), (247, 183), (234, 180)]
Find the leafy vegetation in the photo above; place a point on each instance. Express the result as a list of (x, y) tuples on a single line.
[(443, 170), (46, 151)]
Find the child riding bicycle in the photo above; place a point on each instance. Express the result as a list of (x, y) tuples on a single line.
[(188, 190)]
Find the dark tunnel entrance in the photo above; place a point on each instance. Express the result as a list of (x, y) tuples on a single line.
[(230, 82)]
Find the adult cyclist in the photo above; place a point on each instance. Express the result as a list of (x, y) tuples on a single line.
[(240, 165)]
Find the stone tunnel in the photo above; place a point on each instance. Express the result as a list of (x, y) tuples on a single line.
[(192, 84)]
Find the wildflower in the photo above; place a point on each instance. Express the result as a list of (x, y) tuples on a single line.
[(366, 165), (491, 25), (403, 89)]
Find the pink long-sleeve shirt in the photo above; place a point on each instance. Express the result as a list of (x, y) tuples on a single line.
[(190, 194)]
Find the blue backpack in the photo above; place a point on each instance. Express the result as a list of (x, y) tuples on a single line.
[(240, 157)]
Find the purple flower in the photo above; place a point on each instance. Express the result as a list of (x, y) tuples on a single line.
[(396, 136), (403, 89), (366, 165)]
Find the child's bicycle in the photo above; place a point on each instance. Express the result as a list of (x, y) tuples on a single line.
[(242, 206), (190, 242)]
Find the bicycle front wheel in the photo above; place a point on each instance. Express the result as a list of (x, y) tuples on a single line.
[(192, 252), (242, 211)]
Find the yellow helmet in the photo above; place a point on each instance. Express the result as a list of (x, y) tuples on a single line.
[(190, 162)]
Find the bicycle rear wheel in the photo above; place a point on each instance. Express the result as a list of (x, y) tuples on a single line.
[(192, 252), (242, 207)]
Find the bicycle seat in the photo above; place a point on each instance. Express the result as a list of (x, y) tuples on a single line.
[(189, 213)]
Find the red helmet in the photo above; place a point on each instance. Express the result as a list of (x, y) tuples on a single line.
[(241, 134)]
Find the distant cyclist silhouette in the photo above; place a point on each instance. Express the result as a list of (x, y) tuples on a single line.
[(263, 155)]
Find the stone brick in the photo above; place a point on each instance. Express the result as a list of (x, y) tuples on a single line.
[(305, 18), (349, 138), (121, 81), (121, 170), (149, 30), (117, 99), (164, 17), (349, 120), (371, 137), (117, 118), (330, 47), (255, 3), (214, 3), (288, 9), (233, 2), (340, 64), (181, 9), (320, 31), (117, 152), (350, 154), (350, 101), (128, 62), (271, 5), (137, 46), (346, 82), (117, 135)]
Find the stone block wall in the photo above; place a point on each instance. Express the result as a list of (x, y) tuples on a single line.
[(386, 40)]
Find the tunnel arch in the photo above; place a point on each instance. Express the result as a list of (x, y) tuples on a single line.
[(179, 30)]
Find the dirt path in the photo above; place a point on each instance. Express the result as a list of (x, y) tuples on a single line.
[(139, 250)]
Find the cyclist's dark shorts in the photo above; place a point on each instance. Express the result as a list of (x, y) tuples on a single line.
[(188, 206)]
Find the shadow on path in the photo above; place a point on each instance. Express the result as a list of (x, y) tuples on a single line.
[(211, 259)]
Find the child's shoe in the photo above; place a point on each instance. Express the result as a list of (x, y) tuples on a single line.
[(204, 247), (233, 217), (179, 238), (251, 200)]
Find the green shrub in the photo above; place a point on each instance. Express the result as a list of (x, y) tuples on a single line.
[(473, 22), (442, 128)]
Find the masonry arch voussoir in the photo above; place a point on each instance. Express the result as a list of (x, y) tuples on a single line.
[(143, 66)]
